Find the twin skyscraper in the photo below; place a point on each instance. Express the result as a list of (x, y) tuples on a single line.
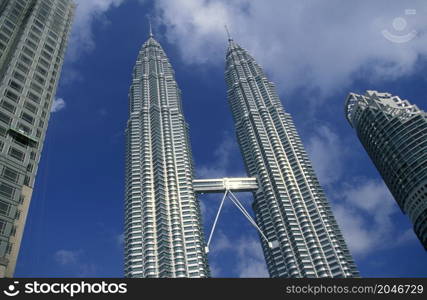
[(163, 229)]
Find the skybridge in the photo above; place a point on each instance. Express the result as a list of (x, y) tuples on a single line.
[(243, 184), (228, 186)]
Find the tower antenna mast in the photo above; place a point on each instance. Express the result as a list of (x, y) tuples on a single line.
[(228, 33)]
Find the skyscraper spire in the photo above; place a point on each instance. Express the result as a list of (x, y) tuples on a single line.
[(228, 33), (151, 29)]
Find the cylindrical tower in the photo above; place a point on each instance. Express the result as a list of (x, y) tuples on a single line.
[(394, 133)]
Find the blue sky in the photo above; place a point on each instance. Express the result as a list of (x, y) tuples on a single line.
[(315, 51)]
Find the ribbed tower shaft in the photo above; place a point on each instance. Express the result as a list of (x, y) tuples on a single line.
[(163, 234), (290, 206)]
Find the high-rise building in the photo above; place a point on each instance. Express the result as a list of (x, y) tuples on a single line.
[(290, 206), (33, 38), (394, 133), (163, 228)]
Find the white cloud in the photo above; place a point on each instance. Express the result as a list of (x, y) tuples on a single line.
[(318, 45), (87, 12), (251, 258), (219, 166), (364, 208), (326, 153), (66, 257), (366, 212), (221, 243), (120, 239), (407, 236), (359, 238), (249, 254), (73, 259), (215, 270), (371, 195), (57, 105), (197, 24), (81, 37)]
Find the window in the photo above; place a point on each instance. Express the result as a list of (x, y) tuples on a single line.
[(45, 6), (27, 180), (43, 13), (2, 226), (41, 70), (39, 24), (8, 106), (27, 117), (52, 34), (36, 30), (34, 37), (3, 131), (5, 118), (15, 86), (21, 141), (9, 24), (10, 174), (15, 153), (6, 30), (28, 51), (30, 107), (44, 63), (22, 68), (51, 41), (12, 96), (25, 129), (4, 208), (49, 48), (25, 59), (19, 76), (13, 231), (31, 44), (34, 97), (7, 190), (46, 55), (39, 79), (36, 88), (4, 38)]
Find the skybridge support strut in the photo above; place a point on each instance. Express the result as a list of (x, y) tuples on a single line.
[(245, 213), (216, 220)]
